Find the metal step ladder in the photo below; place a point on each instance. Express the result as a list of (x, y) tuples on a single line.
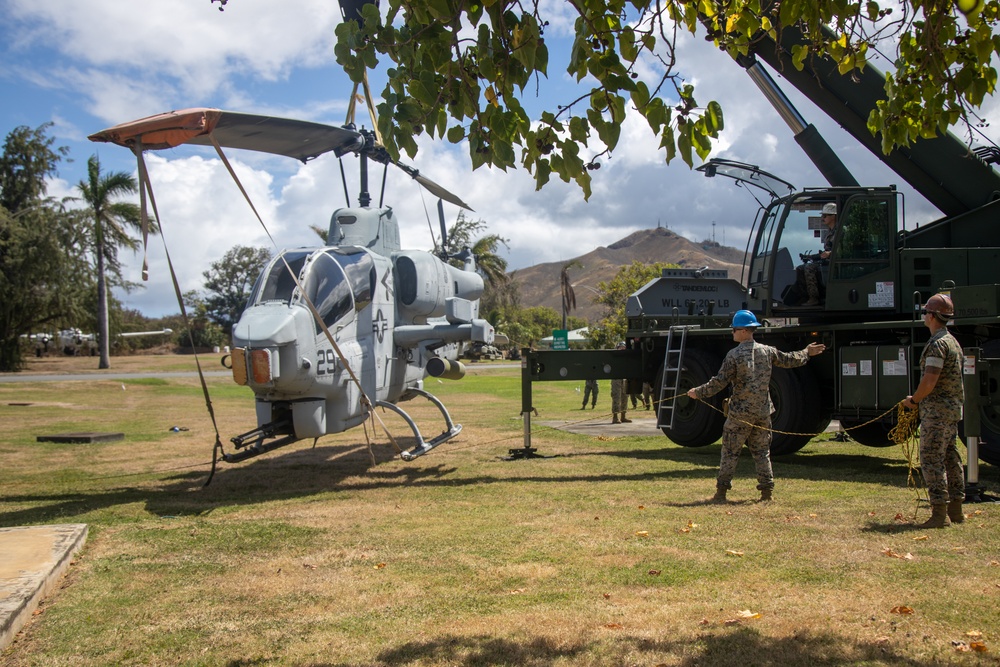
[(673, 361)]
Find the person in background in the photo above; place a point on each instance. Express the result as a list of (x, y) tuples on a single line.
[(940, 397), (647, 395), (590, 389), (747, 367), (809, 273), (619, 399)]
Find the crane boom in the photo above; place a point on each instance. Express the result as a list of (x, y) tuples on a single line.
[(942, 169)]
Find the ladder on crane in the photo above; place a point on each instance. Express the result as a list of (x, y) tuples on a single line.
[(673, 362)]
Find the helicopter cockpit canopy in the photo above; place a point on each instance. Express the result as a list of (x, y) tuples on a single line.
[(338, 281)]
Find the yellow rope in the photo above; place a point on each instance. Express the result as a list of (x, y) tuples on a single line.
[(905, 434), (812, 435)]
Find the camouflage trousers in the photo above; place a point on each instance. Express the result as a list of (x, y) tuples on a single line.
[(619, 399), (757, 440), (587, 389), (940, 462), (810, 272)]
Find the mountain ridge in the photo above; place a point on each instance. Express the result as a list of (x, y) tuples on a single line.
[(539, 284)]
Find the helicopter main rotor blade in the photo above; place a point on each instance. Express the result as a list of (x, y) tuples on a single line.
[(299, 139), (433, 187)]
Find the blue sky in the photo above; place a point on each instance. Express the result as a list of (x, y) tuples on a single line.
[(85, 66)]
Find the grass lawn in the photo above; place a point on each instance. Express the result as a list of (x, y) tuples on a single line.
[(602, 553)]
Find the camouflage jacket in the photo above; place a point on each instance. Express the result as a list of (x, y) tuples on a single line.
[(948, 396), (747, 367)]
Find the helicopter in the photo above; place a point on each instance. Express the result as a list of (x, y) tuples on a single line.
[(330, 333)]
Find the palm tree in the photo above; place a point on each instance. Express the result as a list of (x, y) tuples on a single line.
[(568, 295), (109, 219)]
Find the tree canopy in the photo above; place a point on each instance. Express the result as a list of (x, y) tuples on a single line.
[(229, 282), (461, 68), (44, 274), (614, 294)]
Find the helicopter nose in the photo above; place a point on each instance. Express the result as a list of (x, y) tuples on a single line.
[(265, 325), (267, 342)]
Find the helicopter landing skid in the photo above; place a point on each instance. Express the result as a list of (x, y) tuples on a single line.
[(257, 436), (422, 446)]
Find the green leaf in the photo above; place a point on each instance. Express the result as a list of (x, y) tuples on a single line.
[(714, 118), (640, 97), (456, 133)]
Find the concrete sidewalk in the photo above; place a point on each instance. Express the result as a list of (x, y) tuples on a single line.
[(32, 560)]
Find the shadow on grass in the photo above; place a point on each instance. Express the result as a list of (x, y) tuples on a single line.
[(717, 647), (347, 468)]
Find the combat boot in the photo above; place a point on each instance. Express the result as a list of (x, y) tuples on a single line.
[(955, 511), (765, 496), (614, 420), (939, 517), (720, 495), (625, 420)]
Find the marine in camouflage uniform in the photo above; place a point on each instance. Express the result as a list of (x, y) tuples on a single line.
[(940, 411), (809, 273), (747, 368), (590, 391)]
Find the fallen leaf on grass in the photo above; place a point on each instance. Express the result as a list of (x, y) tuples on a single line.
[(901, 609), (975, 634), (655, 572), (882, 640), (871, 514), (642, 533), (899, 517), (688, 528), (731, 621), (813, 516), (518, 591), (607, 596), (309, 566), (379, 566), (746, 613), (614, 626), (705, 621), (962, 647), (892, 554), (920, 538), (995, 563), (792, 518), (732, 552), (642, 507), (958, 549)]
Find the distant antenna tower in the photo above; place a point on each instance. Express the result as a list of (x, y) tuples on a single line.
[(713, 231)]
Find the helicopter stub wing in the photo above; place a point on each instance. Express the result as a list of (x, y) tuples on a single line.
[(299, 139)]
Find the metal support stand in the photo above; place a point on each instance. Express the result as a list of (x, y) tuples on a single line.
[(973, 492), (526, 452)]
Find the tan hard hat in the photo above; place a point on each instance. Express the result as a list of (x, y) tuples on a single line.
[(942, 306)]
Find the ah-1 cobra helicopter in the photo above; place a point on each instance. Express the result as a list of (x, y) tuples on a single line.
[(331, 332)]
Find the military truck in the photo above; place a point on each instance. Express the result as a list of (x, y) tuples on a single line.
[(879, 273)]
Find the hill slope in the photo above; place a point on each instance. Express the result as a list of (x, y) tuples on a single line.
[(539, 284)]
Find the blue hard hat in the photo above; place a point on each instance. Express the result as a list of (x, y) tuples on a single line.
[(744, 319)]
